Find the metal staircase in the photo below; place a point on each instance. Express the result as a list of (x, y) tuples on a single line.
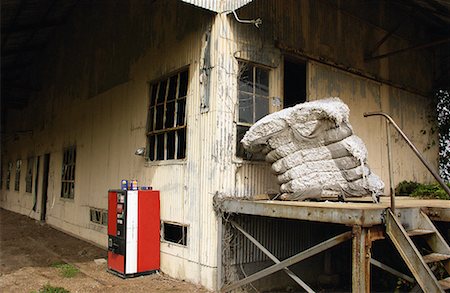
[(402, 234)]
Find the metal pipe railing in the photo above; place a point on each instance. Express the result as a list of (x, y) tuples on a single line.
[(415, 150)]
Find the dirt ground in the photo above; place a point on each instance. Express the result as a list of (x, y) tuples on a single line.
[(30, 252)]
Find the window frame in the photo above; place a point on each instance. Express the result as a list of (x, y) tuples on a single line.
[(68, 172), (17, 175), (29, 175), (8, 175), (178, 129), (246, 156)]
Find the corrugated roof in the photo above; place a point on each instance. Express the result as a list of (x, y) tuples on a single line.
[(219, 5)]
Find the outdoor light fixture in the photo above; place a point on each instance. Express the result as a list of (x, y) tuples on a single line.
[(140, 152)]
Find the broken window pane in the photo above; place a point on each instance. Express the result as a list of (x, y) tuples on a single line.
[(159, 117), (153, 95), (245, 108), (172, 88), (183, 84), (181, 145), (246, 77), (171, 145), (170, 112), (162, 92), (151, 117), (151, 152), (262, 82), (181, 108), (160, 147), (261, 107)]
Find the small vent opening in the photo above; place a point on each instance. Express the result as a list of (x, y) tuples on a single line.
[(175, 233)]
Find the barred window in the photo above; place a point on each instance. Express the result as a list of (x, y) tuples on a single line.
[(166, 124), (253, 95), (29, 175), (68, 173), (17, 178), (8, 175)]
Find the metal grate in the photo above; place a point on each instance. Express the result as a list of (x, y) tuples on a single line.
[(98, 216)]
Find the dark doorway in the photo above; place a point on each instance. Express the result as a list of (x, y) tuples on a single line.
[(294, 83), (36, 183), (45, 186)]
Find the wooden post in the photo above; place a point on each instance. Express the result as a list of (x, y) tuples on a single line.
[(361, 245)]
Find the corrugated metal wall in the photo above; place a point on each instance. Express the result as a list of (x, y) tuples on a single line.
[(282, 237)]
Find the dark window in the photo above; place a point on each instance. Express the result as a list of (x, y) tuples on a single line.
[(17, 178), (68, 172), (166, 125), (175, 233), (253, 93), (8, 175), (294, 83), (29, 175)]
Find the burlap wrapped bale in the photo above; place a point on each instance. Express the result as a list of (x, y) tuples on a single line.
[(314, 152)]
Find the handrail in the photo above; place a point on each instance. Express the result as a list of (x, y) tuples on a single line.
[(413, 147)]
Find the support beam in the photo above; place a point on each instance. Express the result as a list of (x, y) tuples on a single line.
[(417, 47), (391, 270), (272, 257), (383, 40), (30, 27), (361, 245), (291, 261)]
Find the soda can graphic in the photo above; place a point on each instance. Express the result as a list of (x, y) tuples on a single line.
[(124, 184), (134, 184)]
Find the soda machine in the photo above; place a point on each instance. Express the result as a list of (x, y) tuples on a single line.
[(133, 232)]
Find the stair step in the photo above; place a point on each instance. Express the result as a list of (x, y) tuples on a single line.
[(435, 257), (445, 283), (418, 232)]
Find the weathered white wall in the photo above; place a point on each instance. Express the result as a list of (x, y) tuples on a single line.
[(334, 43), (95, 96), (95, 82)]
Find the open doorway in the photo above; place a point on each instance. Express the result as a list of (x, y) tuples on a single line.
[(45, 187), (294, 82)]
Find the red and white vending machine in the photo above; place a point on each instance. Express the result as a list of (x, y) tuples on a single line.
[(133, 232)]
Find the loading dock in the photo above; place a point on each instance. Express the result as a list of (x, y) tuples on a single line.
[(366, 222)]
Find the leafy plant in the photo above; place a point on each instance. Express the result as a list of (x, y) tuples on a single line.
[(443, 117), (67, 270), (421, 190), (50, 289), (430, 191), (406, 187)]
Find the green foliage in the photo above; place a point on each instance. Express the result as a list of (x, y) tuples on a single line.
[(430, 191), (421, 190), (50, 289), (67, 270), (406, 187)]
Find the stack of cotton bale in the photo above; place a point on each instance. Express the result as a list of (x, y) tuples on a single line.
[(314, 152)]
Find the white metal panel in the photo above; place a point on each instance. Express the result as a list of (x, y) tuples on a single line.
[(131, 233), (219, 5)]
